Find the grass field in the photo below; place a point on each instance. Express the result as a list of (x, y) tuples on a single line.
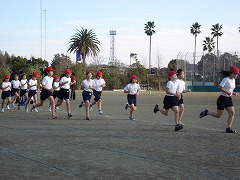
[(33, 146)]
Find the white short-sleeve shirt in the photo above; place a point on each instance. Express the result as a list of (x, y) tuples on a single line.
[(172, 86), (99, 83), (56, 85), (23, 84), (228, 84), (15, 84), (133, 88), (32, 82), (47, 82), (181, 85), (64, 79), (87, 83), (5, 84)]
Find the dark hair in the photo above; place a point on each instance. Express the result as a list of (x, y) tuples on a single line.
[(225, 73), (179, 71)]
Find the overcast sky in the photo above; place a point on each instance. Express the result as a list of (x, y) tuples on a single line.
[(20, 26)]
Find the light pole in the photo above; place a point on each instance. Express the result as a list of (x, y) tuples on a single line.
[(185, 66)]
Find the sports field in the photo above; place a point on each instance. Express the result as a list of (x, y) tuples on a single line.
[(33, 146)]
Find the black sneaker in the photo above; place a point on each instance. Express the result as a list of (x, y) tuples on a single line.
[(204, 113), (69, 115), (229, 130), (127, 105), (178, 127), (88, 118), (81, 104), (156, 108)]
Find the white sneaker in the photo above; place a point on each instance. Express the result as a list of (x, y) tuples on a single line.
[(49, 108), (100, 112), (13, 105), (2, 110), (26, 109), (57, 107), (8, 107), (35, 110)]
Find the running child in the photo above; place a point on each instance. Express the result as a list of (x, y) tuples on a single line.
[(65, 83), (171, 100), (32, 91), (182, 89), (87, 85), (23, 89), (6, 92), (15, 89), (224, 101), (56, 89), (97, 92), (47, 91), (132, 89)]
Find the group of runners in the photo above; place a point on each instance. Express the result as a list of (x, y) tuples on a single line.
[(53, 86)]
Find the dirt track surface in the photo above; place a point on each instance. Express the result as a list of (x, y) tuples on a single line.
[(33, 146)]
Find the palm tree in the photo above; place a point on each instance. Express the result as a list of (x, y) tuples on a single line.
[(86, 42), (216, 32), (195, 30), (149, 30), (208, 44)]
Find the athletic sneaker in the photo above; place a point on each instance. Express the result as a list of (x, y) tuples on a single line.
[(57, 108), (2, 110), (13, 105), (8, 107), (49, 108), (88, 118), (69, 115), (26, 109), (100, 112), (90, 107), (156, 108), (204, 113), (178, 127), (229, 130), (131, 118), (180, 122), (81, 105), (35, 110), (127, 106)]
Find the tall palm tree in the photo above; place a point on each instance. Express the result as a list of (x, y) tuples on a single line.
[(216, 32), (195, 30), (149, 30), (86, 42), (208, 44)]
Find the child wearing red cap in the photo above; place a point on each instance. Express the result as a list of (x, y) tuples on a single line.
[(6, 92), (171, 100), (224, 101), (97, 92), (23, 89), (47, 91), (15, 89), (32, 91), (74, 81), (132, 89), (65, 83), (87, 85)]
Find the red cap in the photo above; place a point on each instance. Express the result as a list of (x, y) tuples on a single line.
[(133, 77), (170, 73), (55, 77), (99, 73), (49, 68), (35, 74), (234, 70), (67, 71), (6, 77)]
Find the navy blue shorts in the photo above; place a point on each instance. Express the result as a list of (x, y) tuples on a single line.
[(45, 94), (170, 101), (97, 95), (6, 94), (14, 90), (63, 94), (23, 92), (55, 94), (86, 96), (180, 101), (224, 102), (132, 99), (31, 93)]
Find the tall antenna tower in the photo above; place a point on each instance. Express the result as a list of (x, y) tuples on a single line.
[(112, 46), (40, 28), (45, 33)]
